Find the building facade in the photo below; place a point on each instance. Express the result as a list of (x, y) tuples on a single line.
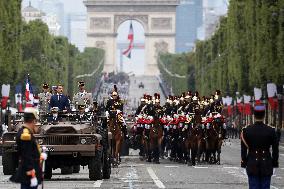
[(188, 21), (30, 13), (77, 29)]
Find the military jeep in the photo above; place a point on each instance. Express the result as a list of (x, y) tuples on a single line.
[(72, 141)]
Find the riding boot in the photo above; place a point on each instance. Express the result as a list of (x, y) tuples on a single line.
[(224, 134)]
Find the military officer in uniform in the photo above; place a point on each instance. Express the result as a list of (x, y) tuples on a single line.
[(82, 96), (44, 98), (29, 172), (115, 104), (257, 158)]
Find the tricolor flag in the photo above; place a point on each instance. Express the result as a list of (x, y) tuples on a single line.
[(18, 97), (5, 95), (127, 52), (29, 93)]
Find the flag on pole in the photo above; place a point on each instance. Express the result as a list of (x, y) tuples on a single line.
[(127, 52), (5, 95), (29, 93), (257, 95), (18, 98), (271, 93)]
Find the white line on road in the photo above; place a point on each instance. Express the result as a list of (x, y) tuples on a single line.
[(197, 167), (273, 187), (98, 183), (281, 154), (281, 147), (231, 167), (171, 166), (155, 178)]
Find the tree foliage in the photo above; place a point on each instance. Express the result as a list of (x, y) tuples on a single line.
[(28, 48), (246, 51)]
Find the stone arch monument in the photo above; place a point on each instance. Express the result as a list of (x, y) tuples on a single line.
[(158, 17)]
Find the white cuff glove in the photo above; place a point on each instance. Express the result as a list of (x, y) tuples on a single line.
[(43, 156), (107, 114), (118, 111), (34, 182)]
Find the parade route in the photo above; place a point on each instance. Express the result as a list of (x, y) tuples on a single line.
[(133, 173)]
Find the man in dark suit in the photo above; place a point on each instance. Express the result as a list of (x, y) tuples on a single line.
[(256, 140), (60, 100)]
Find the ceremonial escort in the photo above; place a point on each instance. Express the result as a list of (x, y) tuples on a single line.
[(142, 94)]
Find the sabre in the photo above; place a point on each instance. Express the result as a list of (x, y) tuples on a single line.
[(44, 149)]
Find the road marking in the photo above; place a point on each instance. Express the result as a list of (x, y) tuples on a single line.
[(273, 187), (197, 167), (281, 154), (155, 178), (231, 167), (281, 147), (171, 166), (98, 183)]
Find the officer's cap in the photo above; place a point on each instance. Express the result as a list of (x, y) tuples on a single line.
[(31, 113), (81, 83), (259, 111), (45, 86)]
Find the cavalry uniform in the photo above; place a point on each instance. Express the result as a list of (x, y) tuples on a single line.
[(116, 104)]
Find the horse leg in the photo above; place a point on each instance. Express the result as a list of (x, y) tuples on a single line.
[(193, 155)]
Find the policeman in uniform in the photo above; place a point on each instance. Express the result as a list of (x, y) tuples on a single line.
[(83, 96), (256, 141), (29, 172), (115, 104), (44, 98)]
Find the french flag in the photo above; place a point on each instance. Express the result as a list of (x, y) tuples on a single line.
[(29, 93), (127, 52)]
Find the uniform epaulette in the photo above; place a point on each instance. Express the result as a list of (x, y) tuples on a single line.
[(273, 127), (245, 127), (26, 135)]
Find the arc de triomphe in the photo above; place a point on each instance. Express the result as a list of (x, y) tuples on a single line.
[(158, 18)]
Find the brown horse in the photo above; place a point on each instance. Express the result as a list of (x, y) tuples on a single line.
[(115, 126), (153, 137), (214, 143), (194, 138)]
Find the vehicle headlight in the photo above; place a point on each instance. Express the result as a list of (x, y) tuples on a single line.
[(83, 141), (40, 141)]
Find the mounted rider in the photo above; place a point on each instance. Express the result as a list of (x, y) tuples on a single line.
[(113, 104)]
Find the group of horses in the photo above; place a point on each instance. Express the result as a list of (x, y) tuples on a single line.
[(184, 139), (189, 140)]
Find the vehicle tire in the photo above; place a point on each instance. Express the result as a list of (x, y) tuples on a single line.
[(106, 167), (9, 163), (47, 171), (67, 170), (76, 168), (95, 167)]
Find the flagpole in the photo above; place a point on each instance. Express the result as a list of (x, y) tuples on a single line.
[(121, 60)]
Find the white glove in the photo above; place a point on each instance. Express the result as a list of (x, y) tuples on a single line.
[(107, 114), (43, 156), (34, 182), (118, 111)]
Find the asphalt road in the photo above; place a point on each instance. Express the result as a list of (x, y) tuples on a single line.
[(133, 173)]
